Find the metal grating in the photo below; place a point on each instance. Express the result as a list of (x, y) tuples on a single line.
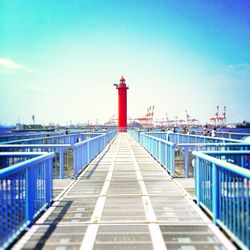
[(123, 237), (57, 237), (190, 237)]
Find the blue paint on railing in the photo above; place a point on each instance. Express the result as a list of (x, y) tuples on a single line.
[(25, 191), (54, 139), (61, 151), (188, 138), (64, 162), (22, 136), (183, 151), (232, 135), (223, 189), (162, 150), (84, 152)]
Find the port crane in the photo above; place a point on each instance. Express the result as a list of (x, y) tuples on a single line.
[(219, 119), (147, 119)]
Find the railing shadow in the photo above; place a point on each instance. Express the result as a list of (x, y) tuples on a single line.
[(96, 165), (52, 225)]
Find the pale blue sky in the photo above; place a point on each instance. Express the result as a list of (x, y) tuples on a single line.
[(60, 58)]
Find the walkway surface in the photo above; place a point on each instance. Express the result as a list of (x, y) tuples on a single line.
[(123, 200)]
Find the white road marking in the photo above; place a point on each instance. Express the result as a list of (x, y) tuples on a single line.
[(89, 238), (157, 238)]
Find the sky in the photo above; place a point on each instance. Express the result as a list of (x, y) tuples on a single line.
[(59, 59)]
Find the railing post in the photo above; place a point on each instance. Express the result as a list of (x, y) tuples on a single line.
[(88, 152), (215, 192), (159, 152), (186, 161), (75, 161), (242, 161), (248, 161), (61, 163), (165, 152), (48, 181), (197, 180), (172, 160), (30, 195)]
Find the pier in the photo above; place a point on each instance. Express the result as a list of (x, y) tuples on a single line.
[(123, 200), (85, 165)]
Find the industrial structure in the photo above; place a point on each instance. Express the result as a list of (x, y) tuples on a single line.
[(148, 119), (219, 120)]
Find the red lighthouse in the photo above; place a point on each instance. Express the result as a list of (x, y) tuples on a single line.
[(122, 105)]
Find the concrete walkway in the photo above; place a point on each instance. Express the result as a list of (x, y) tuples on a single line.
[(123, 200)]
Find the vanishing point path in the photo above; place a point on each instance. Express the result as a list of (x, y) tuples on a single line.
[(123, 200)]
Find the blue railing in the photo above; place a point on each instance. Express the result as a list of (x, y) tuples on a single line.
[(25, 190), (187, 138), (238, 157), (57, 139), (84, 152), (63, 164), (183, 154), (232, 135), (162, 150), (135, 133), (158, 134), (223, 189), (182, 165), (22, 136)]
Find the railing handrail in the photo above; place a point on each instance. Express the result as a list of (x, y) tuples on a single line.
[(35, 145), (228, 152), (214, 144), (207, 137), (49, 137), (21, 153), (240, 143), (69, 145), (26, 164), (155, 132), (24, 135), (158, 139), (223, 164), (39, 138), (232, 133), (88, 140)]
